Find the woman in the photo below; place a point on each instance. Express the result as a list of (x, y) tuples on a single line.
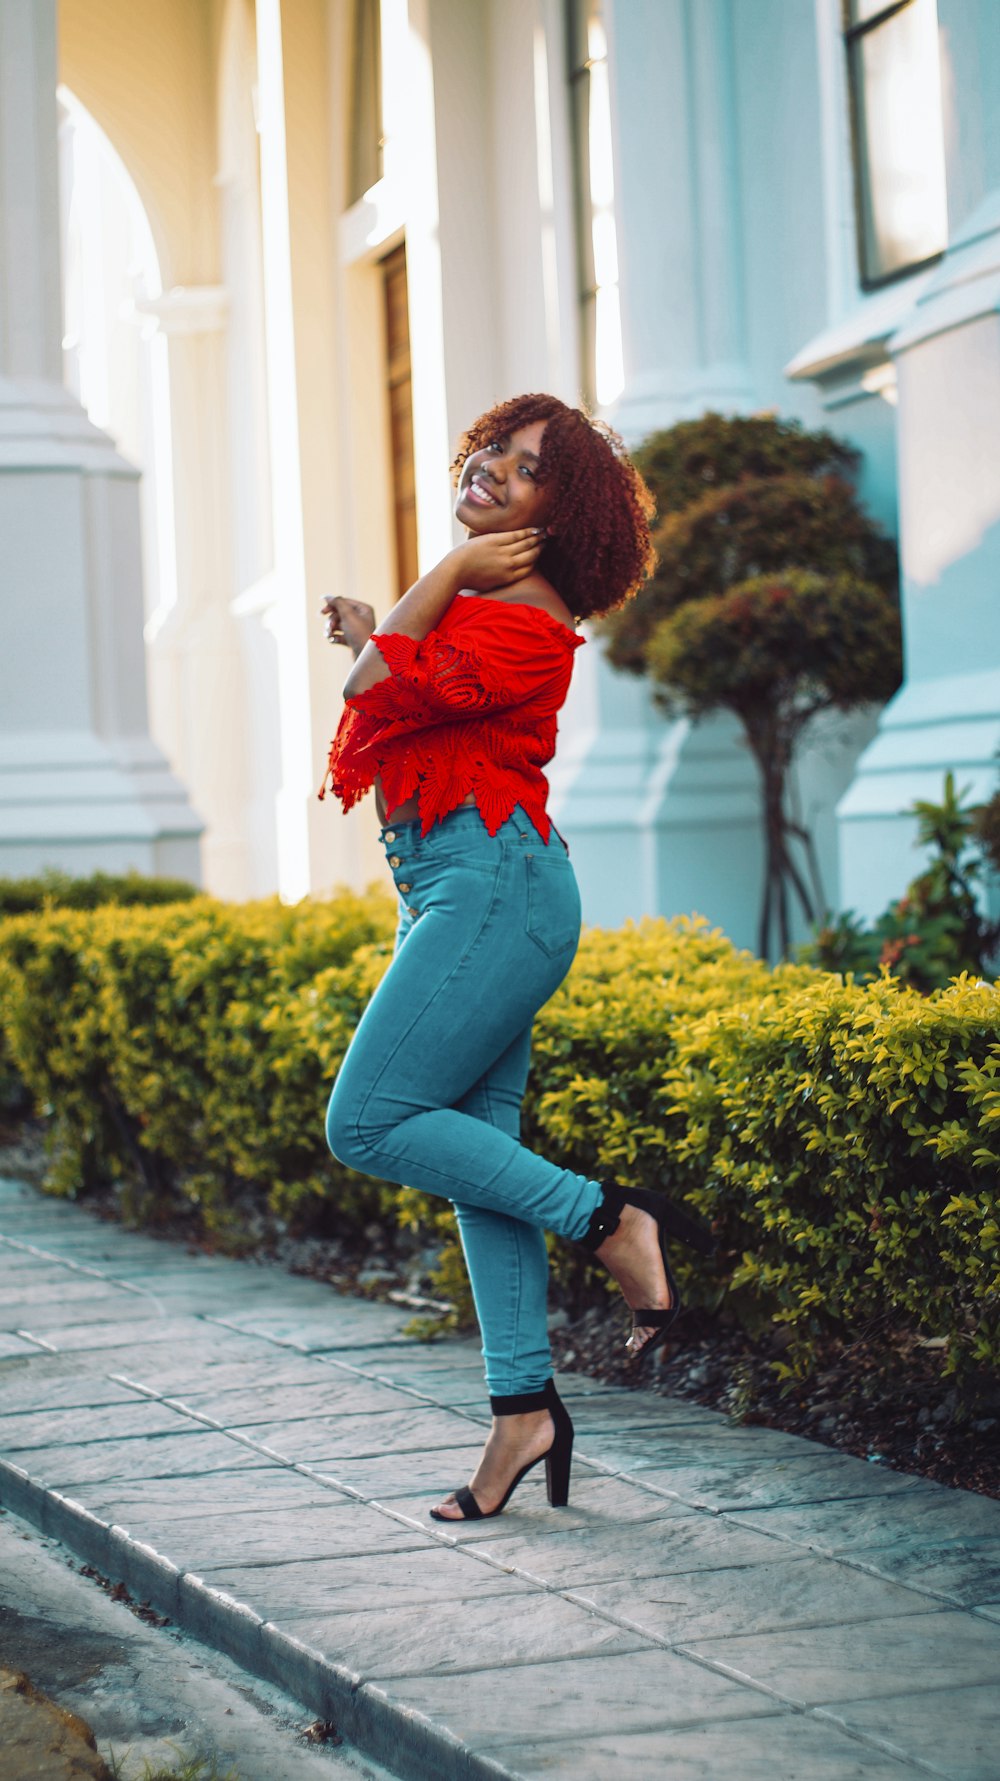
[(451, 714)]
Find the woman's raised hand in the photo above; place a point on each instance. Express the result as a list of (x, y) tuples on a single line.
[(495, 559), (348, 621)]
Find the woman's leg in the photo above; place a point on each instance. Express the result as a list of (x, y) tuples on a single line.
[(507, 1258), (497, 930)]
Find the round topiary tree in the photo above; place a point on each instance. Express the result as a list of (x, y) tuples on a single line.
[(774, 597)]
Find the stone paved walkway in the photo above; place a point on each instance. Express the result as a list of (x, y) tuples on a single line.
[(256, 1457)]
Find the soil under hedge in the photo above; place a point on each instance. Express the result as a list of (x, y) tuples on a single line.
[(880, 1396)]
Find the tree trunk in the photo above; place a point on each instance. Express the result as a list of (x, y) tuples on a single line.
[(773, 756)]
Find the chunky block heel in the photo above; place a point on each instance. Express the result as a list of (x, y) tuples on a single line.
[(558, 1458), (670, 1218)]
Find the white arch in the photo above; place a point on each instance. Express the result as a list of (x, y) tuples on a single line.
[(114, 355)]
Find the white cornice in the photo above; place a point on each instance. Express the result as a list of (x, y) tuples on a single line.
[(186, 309)]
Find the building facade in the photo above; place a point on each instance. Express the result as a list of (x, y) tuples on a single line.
[(303, 243)]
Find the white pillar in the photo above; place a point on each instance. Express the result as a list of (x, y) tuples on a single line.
[(665, 817), (81, 784), (196, 653), (680, 230), (947, 359)]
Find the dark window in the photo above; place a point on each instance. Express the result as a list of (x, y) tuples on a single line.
[(895, 85)]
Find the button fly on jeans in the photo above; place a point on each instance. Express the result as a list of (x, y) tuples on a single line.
[(405, 887), (394, 860)]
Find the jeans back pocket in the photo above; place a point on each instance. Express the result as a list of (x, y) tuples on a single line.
[(553, 909)]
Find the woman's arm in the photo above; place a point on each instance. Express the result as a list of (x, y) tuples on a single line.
[(488, 560), (414, 615)]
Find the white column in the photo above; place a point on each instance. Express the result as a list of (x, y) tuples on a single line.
[(662, 816), (81, 784), (195, 650), (680, 241), (947, 360)]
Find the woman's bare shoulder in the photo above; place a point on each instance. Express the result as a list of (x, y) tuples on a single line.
[(534, 590)]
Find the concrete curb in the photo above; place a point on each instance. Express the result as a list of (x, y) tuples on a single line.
[(395, 1735)]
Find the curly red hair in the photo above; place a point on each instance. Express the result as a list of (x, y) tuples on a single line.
[(601, 552)]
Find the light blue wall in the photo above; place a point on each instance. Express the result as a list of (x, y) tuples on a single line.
[(721, 194)]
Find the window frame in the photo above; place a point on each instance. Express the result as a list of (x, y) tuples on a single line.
[(853, 33), (365, 152), (578, 65)]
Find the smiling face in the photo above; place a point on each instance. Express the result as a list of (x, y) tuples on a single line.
[(499, 490)]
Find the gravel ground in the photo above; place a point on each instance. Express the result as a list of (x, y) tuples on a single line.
[(880, 1396)]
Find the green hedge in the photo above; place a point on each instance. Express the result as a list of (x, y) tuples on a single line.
[(183, 1052), (843, 1139), (57, 890)]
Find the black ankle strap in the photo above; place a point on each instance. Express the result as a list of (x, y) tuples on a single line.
[(520, 1401), (606, 1218)]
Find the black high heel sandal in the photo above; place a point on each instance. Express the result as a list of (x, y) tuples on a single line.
[(558, 1457), (670, 1218)]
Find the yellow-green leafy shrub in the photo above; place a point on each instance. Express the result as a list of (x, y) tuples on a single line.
[(843, 1139), (846, 1141), (187, 1051), (58, 890), (601, 1049)]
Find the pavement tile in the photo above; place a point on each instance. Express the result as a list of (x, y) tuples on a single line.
[(777, 1595), (526, 1630), (57, 1382), (326, 1440), (811, 1478), (545, 1702), (241, 1364), (676, 1541), (150, 1456), (862, 1660), (295, 1536), (51, 1428), (783, 1747), (17, 1301), (596, 1505), (684, 1528), (266, 1490), (917, 1518), (408, 1361), (429, 1574), (643, 1411), (125, 1334), (242, 1408), (465, 1392), (954, 1729), (967, 1572), (109, 1254), (14, 1345), (390, 1475), (52, 1316), (343, 1325), (580, 1385), (650, 1449)]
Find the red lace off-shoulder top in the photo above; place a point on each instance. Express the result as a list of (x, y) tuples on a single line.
[(470, 708)]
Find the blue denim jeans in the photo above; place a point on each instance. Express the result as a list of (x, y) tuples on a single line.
[(429, 1093)]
